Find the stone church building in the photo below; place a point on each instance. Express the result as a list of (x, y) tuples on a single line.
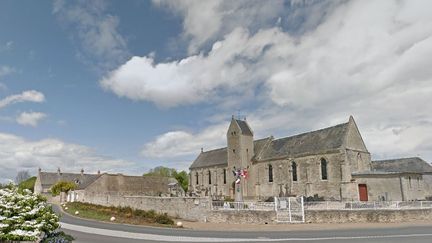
[(332, 163)]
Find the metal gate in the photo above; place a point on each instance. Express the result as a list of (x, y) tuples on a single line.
[(289, 209)]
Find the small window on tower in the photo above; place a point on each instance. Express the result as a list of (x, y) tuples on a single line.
[(224, 176), (270, 173)]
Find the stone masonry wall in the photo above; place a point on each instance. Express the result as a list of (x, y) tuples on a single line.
[(194, 209), (242, 217), (367, 216)]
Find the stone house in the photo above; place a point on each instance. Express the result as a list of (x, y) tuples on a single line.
[(45, 180), (332, 163), (92, 185)]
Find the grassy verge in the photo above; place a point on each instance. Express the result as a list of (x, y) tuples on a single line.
[(124, 215)]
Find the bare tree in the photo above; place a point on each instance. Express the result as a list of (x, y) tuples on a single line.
[(22, 175)]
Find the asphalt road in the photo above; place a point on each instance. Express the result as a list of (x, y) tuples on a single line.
[(92, 231)]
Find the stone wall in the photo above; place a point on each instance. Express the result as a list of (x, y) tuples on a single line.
[(367, 216), (308, 182), (194, 209), (242, 217), (324, 216)]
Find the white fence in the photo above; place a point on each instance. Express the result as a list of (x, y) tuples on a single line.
[(289, 209), (256, 206), (380, 205)]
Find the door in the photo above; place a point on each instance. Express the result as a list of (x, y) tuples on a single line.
[(363, 193)]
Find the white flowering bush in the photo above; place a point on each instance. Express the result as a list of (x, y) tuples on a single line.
[(24, 216)]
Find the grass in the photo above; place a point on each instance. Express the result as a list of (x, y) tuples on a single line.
[(124, 215)]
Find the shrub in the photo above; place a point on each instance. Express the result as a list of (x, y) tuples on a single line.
[(57, 237), (24, 216), (163, 219), (27, 184), (62, 186)]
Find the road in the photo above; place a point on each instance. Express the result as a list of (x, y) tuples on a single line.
[(92, 231)]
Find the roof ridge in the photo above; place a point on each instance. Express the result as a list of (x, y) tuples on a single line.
[(213, 150), (319, 130), (415, 157)]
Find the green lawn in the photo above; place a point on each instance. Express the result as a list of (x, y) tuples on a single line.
[(124, 215)]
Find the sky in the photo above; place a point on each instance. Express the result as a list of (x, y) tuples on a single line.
[(124, 86)]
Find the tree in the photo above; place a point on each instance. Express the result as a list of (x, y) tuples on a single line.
[(22, 175), (27, 184), (161, 171), (181, 177), (24, 216), (62, 186)]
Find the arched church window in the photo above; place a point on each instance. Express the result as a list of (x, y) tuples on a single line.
[(209, 177), (197, 177), (294, 171), (323, 169), (270, 173)]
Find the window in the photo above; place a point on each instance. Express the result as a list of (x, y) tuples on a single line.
[(323, 169), (233, 150), (270, 173), (224, 175), (294, 171), (196, 176), (209, 177), (409, 179)]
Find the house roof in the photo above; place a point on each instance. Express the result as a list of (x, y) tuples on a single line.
[(268, 148), (414, 164), (48, 179)]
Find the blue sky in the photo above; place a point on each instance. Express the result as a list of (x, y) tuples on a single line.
[(123, 86)]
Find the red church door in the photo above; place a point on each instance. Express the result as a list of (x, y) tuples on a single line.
[(363, 193)]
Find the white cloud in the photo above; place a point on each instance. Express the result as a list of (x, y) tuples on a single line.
[(207, 20), (366, 58), (6, 46), (26, 96), (18, 154), (30, 118), (95, 29), (6, 70), (182, 143)]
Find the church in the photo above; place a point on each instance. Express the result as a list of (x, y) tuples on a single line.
[(330, 164)]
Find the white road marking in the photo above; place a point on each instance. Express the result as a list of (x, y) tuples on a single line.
[(167, 238)]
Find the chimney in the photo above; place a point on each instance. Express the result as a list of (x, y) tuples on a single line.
[(39, 170), (202, 150), (82, 172), (98, 172), (58, 171)]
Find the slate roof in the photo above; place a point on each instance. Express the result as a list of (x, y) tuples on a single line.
[(311, 142), (267, 148), (414, 164), (211, 158), (244, 127), (48, 179)]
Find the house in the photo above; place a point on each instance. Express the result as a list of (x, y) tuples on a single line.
[(331, 163), (91, 186)]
